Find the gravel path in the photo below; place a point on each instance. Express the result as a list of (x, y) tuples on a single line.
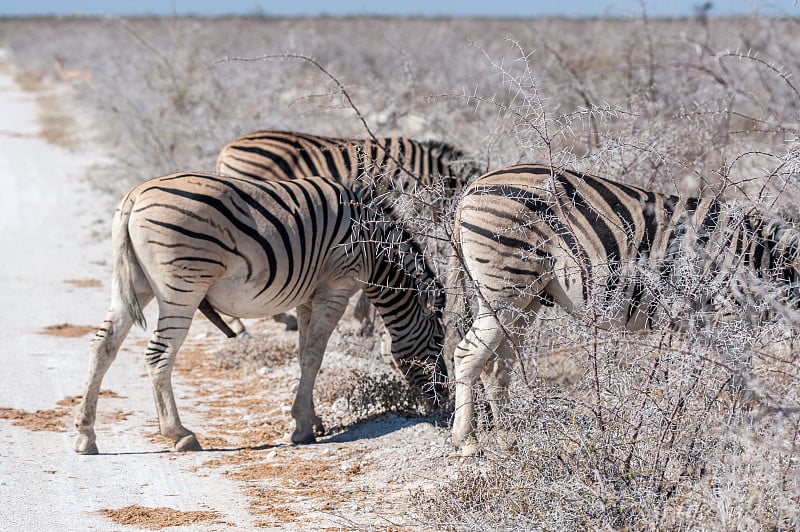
[(54, 272)]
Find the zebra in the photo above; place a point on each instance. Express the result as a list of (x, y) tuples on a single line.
[(252, 248), (381, 168), (532, 235), (377, 167)]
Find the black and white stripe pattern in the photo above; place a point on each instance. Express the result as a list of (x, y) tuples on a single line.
[(378, 166), (252, 248), (530, 235), (383, 170)]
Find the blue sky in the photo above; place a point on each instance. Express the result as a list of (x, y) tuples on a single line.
[(503, 8)]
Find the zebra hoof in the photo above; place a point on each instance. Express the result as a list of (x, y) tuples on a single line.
[(188, 443), (303, 439), (90, 450), (470, 448), (83, 445)]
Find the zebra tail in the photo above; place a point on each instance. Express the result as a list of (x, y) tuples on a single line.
[(124, 262), (458, 309)]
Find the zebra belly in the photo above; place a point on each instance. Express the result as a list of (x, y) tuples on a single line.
[(242, 300), (234, 297), (616, 297)]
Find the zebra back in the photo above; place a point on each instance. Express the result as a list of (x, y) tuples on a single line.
[(381, 166)]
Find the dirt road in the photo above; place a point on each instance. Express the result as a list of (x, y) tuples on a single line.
[(55, 272), (54, 276)]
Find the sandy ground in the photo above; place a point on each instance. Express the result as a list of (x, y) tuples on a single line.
[(55, 272), (54, 276)]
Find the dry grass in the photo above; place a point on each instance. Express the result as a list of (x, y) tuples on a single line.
[(52, 420), (56, 419), (158, 518), (84, 283), (69, 330)]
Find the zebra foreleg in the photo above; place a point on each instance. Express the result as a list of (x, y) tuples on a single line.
[(364, 312), (303, 321), (170, 333), (316, 322)]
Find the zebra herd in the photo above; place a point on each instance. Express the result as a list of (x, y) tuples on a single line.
[(265, 234)]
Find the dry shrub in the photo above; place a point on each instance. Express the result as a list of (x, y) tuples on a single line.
[(356, 395), (256, 352), (678, 448), (354, 384), (691, 431), (696, 430)]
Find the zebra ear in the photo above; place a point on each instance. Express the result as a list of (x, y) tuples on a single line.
[(437, 147), (431, 295)]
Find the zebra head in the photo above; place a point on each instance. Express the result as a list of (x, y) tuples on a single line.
[(418, 356), (411, 301)]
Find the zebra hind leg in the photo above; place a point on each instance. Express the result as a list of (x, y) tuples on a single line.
[(471, 356), (171, 330), (482, 352), (496, 375), (102, 352)]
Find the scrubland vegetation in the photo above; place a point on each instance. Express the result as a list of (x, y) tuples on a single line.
[(696, 430)]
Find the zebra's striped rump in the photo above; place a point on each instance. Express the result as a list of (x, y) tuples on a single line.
[(619, 255), (251, 248)]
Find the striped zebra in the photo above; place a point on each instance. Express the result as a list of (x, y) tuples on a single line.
[(531, 235), (252, 248), (383, 168), (379, 167)]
